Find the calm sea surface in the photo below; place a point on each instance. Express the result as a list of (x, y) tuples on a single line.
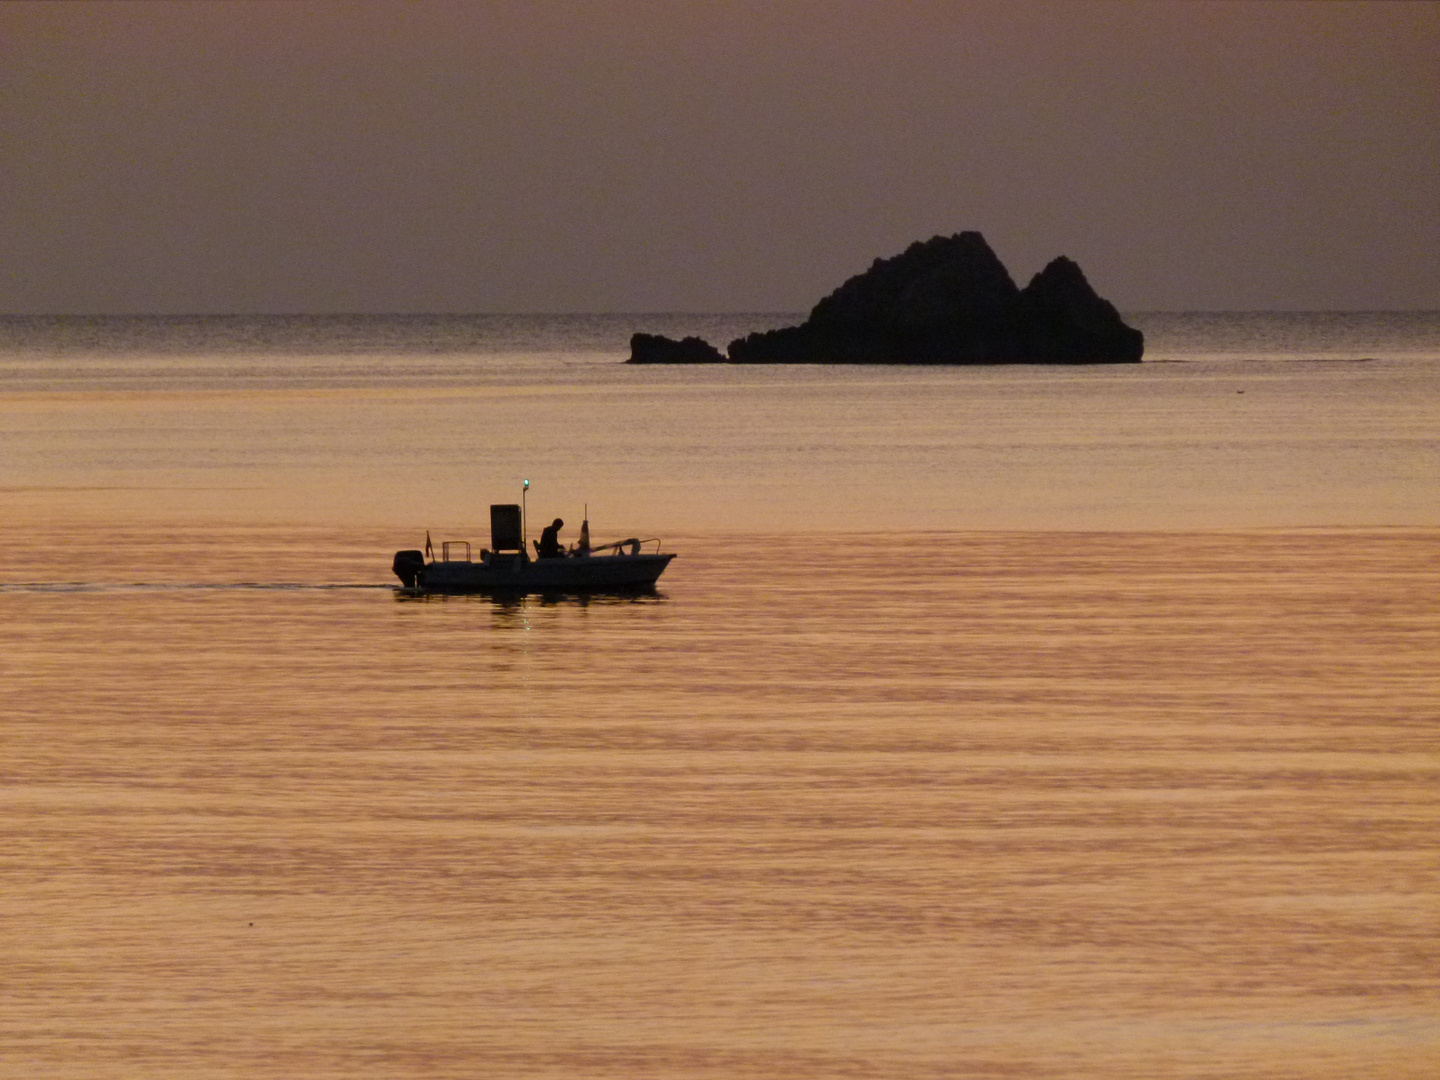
[(990, 723)]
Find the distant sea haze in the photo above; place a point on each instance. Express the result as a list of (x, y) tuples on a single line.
[(1241, 419)]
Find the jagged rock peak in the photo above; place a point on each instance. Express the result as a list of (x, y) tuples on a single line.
[(1068, 322), (930, 283)]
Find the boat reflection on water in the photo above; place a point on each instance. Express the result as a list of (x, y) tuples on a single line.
[(515, 603), (623, 568)]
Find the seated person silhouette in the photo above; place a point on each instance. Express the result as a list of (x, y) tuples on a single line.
[(549, 544)]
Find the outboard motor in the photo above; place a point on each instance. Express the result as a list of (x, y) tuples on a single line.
[(408, 567)]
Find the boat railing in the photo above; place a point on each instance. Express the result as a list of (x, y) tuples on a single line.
[(445, 550), (629, 546)]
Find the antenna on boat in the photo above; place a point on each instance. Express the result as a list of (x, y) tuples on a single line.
[(523, 534)]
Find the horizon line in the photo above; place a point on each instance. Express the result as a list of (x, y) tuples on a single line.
[(633, 314)]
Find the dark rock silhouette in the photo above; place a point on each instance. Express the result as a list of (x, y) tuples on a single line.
[(948, 300), (1065, 322), (659, 349)]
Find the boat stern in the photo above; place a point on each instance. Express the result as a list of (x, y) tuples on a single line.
[(408, 567)]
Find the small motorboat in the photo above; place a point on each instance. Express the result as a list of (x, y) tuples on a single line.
[(506, 568)]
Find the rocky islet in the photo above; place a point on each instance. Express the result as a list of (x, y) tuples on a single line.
[(947, 300)]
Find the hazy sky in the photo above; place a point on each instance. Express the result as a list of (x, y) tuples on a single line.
[(628, 156)]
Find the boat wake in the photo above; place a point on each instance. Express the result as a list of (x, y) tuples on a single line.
[(185, 586)]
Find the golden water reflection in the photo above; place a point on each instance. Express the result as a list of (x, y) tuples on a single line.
[(989, 804)]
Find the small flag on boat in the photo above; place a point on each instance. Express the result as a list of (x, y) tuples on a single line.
[(585, 533), (429, 551)]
